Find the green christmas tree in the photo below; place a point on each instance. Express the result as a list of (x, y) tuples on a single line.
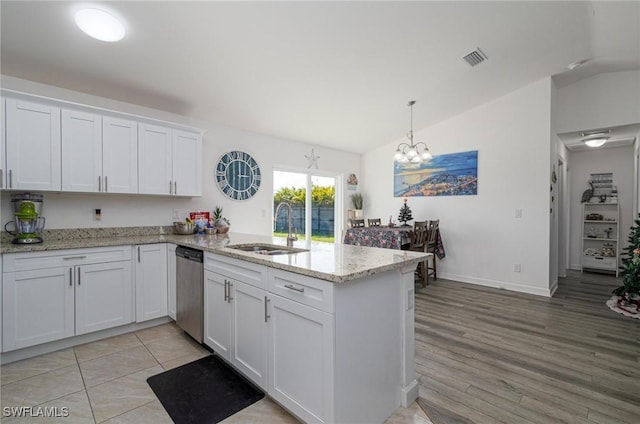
[(405, 213), (631, 267)]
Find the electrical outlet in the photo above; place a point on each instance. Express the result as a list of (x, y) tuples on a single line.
[(97, 214), (177, 213), (517, 267), (518, 213)]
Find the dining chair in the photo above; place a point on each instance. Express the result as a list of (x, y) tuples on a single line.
[(357, 223), (419, 244), (374, 222), (432, 237)]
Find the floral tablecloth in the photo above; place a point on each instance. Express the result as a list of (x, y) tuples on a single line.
[(386, 237)]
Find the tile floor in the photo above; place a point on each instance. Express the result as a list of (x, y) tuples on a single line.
[(105, 382)]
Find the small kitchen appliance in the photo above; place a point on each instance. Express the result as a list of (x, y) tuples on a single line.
[(28, 221)]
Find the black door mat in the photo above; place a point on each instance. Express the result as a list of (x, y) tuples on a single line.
[(205, 391)]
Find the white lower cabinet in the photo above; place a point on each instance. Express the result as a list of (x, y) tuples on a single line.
[(236, 320), (301, 359), (151, 281), (88, 290), (171, 280)]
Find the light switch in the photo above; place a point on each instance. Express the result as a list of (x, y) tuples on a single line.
[(518, 213)]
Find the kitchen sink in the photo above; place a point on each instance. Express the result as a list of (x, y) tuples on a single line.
[(267, 249)]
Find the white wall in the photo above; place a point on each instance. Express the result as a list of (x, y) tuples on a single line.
[(482, 238), (618, 160), (604, 100), (250, 216)]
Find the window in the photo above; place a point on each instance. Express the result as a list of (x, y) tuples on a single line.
[(315, 217)]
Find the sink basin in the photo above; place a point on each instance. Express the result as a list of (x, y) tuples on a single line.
[(267, 249)]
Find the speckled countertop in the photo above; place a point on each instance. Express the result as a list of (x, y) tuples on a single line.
[(337, 263)]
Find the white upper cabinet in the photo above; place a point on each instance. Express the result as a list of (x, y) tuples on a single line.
[(99, 154), (81, 151), (119, 155), (154, 151), (33, 146), (3, 165), (170, 161), (187, 163)]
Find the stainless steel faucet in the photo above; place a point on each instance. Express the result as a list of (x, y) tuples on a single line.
[(290, 236)]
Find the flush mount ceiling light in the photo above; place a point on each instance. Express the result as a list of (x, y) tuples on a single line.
[(596, 139), (99, 24), (411, 152)]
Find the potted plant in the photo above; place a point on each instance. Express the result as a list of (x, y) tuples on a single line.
[(356, 199), (221, 223), (629, 292)]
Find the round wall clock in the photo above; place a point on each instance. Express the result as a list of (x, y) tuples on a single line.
[(238, 175)]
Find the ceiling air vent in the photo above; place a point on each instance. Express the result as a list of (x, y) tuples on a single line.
[(474, 58)]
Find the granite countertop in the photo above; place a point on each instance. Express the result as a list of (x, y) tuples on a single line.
[(337, 263)]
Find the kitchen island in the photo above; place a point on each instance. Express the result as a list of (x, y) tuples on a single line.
[(328, 332)]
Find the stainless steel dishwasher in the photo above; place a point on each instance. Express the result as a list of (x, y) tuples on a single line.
[(190, 292)]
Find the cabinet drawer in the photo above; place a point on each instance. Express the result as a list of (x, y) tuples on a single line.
[(247, 272), (599, 262), (306, 290), (68, 257)]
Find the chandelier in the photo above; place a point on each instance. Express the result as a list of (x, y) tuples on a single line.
[(412, 152)]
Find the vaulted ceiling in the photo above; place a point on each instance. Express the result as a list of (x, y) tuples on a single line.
[(337, 74)]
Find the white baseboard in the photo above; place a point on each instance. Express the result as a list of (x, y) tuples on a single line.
[(507, 285)]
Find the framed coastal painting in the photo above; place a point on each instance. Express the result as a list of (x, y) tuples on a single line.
[(454, 174)]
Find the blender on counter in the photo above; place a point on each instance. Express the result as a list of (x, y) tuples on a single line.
[(28, 222)]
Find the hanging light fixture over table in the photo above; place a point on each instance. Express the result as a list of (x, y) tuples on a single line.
[(412, 152)]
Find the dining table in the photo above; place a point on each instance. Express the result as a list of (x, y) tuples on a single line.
[(397, 237)]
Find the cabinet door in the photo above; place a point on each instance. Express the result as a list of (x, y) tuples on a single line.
[(250, 332), (33, 146), (3, 126), (151, 281), (119, 155), (104, 295), (81, 151), (154, 153), (171, 280), (187, 163), (217, 314), (301, 359), (37, 307)]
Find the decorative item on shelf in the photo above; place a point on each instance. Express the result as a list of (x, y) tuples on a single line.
[(594, 217), (592, 251), (603, 198), (358, 202), (608, 232), (591, 232), (411, 152), (608, 250), (586, 195), (221, 223), (629, 292), (391, 224), (405, 213)]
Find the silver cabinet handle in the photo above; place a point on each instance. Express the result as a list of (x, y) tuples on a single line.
[(99, 183), (292, 287), (226, 295), (138, 254), (175, 188), (229, 297), (106, 187), (1, 178), (10, 178), (78, 275), (266, 313), (70, 277), (171, 191), (74, 257)]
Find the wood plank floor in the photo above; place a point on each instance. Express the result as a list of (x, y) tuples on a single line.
[(486, 355)]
